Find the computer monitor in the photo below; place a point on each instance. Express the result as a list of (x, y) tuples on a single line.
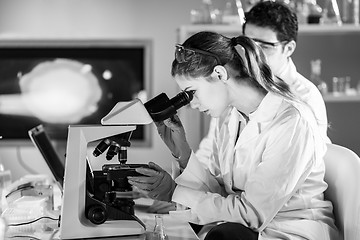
[(42, 142), (63, 82)]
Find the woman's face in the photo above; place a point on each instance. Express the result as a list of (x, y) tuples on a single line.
[(210, 97)]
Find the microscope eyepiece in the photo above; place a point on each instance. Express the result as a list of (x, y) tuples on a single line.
[(161, 107), (182, 99)]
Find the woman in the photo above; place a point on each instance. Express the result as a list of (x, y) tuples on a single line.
[(264, 181)]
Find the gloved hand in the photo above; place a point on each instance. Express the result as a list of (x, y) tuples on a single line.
[(162, 207), (157, 182), (172, 133)]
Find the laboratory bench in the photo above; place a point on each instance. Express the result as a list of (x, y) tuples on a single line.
[(175, 229)]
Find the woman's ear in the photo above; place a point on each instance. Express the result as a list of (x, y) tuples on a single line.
[(220, 73), (290, 48)]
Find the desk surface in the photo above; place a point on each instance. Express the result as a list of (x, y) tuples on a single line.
[(175, 229)]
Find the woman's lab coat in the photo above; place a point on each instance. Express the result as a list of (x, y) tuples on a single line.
[(270, 180)]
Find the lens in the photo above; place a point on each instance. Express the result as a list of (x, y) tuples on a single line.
[(122, 156), (113, 150), (182, 54), (181, 99), (179, 54), (101, 147)]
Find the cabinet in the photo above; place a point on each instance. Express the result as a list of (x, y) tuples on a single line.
[(339, 50)]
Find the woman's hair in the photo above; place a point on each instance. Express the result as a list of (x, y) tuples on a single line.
[(241, 56)]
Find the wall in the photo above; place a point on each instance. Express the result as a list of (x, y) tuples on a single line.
[(340, 56), (155, 19)]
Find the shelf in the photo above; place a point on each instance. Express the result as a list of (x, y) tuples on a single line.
[(235, 30), (320, 29), (341, 98), (228, 30)]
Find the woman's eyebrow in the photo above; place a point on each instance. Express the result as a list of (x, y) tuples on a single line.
[(186, 89)]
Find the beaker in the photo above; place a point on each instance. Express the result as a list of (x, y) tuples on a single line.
[(350, 11), (335, 86), (159, 229), (233, 12)]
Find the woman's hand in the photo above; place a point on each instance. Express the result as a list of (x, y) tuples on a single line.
[(172, 133), (156, 181)]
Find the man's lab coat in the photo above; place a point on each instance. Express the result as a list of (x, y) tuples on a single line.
[(308, 93), (271, 181)]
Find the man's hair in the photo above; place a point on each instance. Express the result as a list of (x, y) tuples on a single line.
[(276, 16)]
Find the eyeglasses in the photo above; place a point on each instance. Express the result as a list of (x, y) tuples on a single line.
[(268, 46), (183, 54)]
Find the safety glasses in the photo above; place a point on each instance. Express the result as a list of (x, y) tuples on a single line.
[(183, 54), (268, 47)]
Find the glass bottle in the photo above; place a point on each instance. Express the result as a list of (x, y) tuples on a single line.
[(301, 7), (350, 12), (315, 76), (331, 13), (347, 86), (159, 229), (233, 12), (5, 181), (2, 228), (207, 11), (314, 12)]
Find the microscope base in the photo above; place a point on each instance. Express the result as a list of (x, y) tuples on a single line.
[(107, 229)]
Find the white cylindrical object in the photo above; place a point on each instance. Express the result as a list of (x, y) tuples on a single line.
[(2, 229), (356, 11)]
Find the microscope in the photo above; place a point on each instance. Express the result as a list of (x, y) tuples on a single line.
[(99, 203)]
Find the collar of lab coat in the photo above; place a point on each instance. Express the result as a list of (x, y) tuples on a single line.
[(289, 72), (267, 109), (260, 118)]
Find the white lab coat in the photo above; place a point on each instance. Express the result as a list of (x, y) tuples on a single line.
[(310, 96), (271, 181)]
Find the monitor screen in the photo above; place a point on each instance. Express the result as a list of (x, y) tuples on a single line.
[(68, 82), (42, 142)]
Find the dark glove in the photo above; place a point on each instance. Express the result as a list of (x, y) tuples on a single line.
[(161, 207), (157, 182), (172, 133)]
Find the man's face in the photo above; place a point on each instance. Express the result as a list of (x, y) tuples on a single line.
[(276, 54)]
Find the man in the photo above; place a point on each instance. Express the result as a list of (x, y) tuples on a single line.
[(274, 27)]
